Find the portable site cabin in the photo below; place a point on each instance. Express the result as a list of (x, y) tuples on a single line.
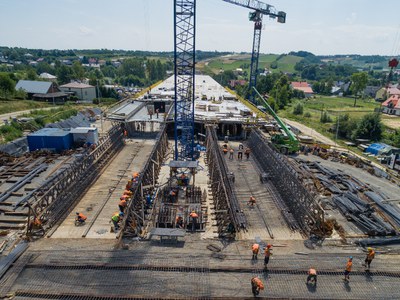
[(83, 135), (54, 139)]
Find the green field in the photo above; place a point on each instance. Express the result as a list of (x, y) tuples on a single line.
[(334, 106), (229, 63), (9, 106)]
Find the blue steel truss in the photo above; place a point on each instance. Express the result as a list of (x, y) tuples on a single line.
[(184, 55)]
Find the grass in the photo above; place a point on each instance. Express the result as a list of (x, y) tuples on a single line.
[(9, 106), (285, 64), (334, 106), (40, 117)]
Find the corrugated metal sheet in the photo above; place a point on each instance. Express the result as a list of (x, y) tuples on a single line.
[(34, 87), (50, 138)]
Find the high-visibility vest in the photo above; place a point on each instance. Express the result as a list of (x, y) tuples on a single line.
[(258, 283), (371, 255), (122, 203), (82, 216), (255, 248), (193, 215), (115, 218), (349, 265), (268, 252)]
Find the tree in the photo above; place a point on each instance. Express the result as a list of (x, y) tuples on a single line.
[(64, 74), (31, 74), (7, 86), (344, 126), (298, 109), (370, 127), (358, 83), (79, 71)]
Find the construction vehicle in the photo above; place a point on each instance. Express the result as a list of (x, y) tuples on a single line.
[(286, 143)]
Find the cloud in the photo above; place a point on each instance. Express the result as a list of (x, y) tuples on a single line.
[(86, 30), (352, 19)]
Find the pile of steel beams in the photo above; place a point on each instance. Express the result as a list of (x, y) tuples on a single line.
[(227, 207), (371, 214), (302, 205)]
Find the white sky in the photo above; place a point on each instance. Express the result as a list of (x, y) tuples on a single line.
[(318, 26)]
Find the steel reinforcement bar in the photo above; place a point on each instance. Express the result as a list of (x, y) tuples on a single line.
[(59, 195), (304, 208), (134, 219), (227, 207)]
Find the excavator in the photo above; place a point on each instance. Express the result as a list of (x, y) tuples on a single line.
[(286, 143)]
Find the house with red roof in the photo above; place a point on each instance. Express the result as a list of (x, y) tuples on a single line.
[(386, 92), (392, 105), (302, 86)]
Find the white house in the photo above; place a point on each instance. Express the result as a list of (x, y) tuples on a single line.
[(84, 92)]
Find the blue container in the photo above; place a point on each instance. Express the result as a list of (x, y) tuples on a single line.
[(53, 139)]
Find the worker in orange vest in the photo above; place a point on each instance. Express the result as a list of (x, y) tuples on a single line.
[(128, 193), (255, 249), (179, 222), (194, 217), (80, 217), (267, 253), (312, 276), (256, 286), (347, 271), (369, 258), (122, 205), (252, 201)]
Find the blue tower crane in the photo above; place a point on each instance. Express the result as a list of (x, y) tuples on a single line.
[(184, 56), (259, 10)]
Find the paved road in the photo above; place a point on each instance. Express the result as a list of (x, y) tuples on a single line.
[(19, 113), (310, 132)]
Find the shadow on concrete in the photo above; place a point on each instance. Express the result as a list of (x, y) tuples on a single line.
[(167, 244), (347, 286)]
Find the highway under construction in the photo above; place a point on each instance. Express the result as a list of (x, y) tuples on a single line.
[(297, 211), (184, 180)]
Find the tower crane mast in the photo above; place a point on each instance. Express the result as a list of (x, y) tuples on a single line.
[(184, 63), (259, 10)]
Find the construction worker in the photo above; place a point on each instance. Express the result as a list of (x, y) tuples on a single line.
[(369, 258), (184, 179), (172, 195), (256, 286), (312, 276), (115, 219), (80, 217), (252, 201), (247, 153), (267, 253), (128, 193), (129, 184), (122, 205), (231, 153), (194, 217), (240, 153), (347, 271), (255, 249), (135, 177), (179, 222)]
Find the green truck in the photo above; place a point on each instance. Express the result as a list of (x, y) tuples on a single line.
[(285, 143)]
